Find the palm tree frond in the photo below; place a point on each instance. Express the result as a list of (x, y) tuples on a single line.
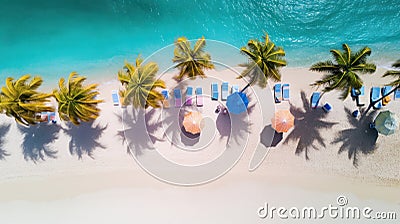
[(191, 62), (21, 100), (265, 60), (343, 75), (76, 102)]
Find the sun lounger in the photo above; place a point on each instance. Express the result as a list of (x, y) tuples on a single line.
[(115, 97), (357, 92), (178, 97), (199, 96), (224, 91), (397, 94), (44, 117), (355, 113), (360, 96), (235, 88), (165, 102), (327, 107), (278, 93), (315, 99), (385, 92), (353, 92), (189, 96), (285, 92), (214, 91), (375, 95), (52, 117)]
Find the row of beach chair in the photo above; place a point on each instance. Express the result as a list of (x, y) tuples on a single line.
[(224, 90), (189, 96), (47, 117), (376, 93), (199, 93), (281, 93), (177, 93)]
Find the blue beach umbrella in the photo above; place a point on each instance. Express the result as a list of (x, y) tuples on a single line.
[(237, 103), (386, 123)]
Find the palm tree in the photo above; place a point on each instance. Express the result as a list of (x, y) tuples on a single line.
[(344, 72), (396, 83), (395, 74), (76, 102), (191, 62), (140, 84), (21, 100), (265, 61)]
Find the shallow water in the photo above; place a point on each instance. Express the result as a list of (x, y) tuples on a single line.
[(53, 38)]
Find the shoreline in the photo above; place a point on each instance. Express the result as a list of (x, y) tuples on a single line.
[(107, 69)]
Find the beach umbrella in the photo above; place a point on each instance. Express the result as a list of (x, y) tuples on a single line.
[(386, 123), (192, 122), (237, 103), (282, 121)]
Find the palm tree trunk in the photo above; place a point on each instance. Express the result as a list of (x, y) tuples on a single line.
[(371, 104), (247, 86)]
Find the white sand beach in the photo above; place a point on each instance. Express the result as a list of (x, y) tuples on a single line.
[(99, 182)]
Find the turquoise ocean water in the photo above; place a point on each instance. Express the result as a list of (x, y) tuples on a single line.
[(52, 38)]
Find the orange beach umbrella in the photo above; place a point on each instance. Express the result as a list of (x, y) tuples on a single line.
[(192, 122), (282, 121)]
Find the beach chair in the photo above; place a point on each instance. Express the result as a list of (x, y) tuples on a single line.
[(285, 92), (327, 107), (235, 88), (224, 91), (397, 94), (178, 97), (355, 113), (115, 97), (358, 95), (360, 99), (315, 99), (375, 95), (199, 96), (385, 92), (44, 117), (357, 92), (165, 101), (52, 117), (214, 91), (189, 96), (354, 92), (278, 93)]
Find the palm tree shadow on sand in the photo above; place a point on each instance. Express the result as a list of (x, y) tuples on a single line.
[(4, 129), (37, 140), (308, 124), (359, 138), (139, 128), (173, 120), (84, 138)]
